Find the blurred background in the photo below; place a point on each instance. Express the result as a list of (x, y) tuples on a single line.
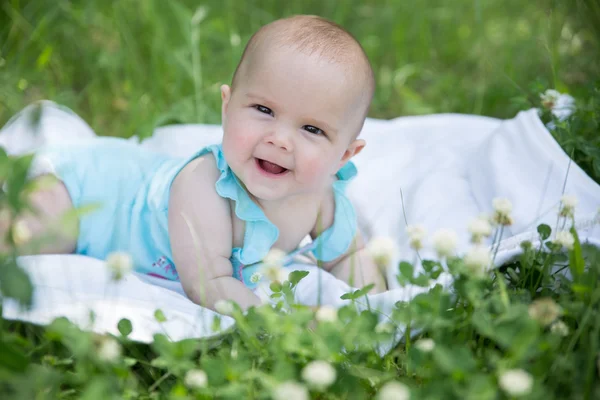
[(128, 66)]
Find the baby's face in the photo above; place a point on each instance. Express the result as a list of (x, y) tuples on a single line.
[(290, 123)]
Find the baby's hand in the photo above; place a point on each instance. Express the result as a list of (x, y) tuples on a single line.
[(222, 288)]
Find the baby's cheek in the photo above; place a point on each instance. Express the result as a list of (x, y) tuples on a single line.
[(316, 170), (237, 140)]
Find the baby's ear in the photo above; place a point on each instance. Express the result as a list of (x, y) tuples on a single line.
[(353, 149), (225, 97)]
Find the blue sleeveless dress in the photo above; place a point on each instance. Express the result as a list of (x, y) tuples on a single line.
[(125, 189)]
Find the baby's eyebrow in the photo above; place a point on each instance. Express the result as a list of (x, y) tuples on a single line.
[(257, 97), (322, 125)]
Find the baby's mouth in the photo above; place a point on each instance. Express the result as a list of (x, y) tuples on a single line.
[(270, 167)]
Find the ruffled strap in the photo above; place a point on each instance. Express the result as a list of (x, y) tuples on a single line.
[(336, 239), (328, 246), (260, 233)]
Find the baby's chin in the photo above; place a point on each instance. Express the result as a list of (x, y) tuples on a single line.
[(261, 194), (280, 195)]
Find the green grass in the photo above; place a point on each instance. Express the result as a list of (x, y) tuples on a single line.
[(128, 66), (131, 65)]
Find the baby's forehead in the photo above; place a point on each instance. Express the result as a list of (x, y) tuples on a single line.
[(347, 56), (296, 69), (281, 60)]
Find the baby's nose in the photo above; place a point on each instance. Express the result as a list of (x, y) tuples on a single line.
[(282, 139)]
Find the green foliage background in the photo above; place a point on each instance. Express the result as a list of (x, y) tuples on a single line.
[(127, 66)]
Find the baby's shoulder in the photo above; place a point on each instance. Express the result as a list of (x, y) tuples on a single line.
[(203, 165), (198, 175)]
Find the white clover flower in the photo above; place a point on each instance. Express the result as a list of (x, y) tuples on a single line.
[(559, 328), (256, 277), (21, 233), (502, 211), (326, 314), (478, 259), (416, 236), (516, 382), (224, 307), (319, 374), (274, 273), (195, 379), (567, 205), (425, 345), (564, 107), (290, 390), (384, 327), (502, 205), (479, 228), (235, 40), (382, 249), (565, 239), (272, 267), (544, 310), (393, 391), (549, 98), (274, 257), (560, 104), (109, 349), (569, 200), (444, 242), (119, 263)]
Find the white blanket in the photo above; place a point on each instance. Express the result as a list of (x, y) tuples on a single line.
[(439, 171)]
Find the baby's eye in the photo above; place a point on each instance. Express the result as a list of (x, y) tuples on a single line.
[(313, 130), (263, 109)]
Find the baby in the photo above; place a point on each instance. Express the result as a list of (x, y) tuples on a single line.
[(291, 118)]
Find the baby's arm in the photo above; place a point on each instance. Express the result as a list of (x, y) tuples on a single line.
[(200, 232), (356, 267)]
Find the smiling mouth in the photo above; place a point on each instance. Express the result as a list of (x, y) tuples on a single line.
[(270, 168)]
